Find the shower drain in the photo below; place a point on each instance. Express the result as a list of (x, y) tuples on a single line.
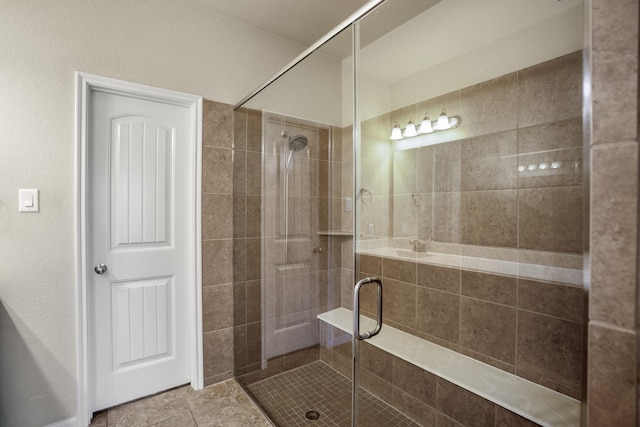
[(312, 415)]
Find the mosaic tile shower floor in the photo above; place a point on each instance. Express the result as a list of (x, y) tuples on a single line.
[(288, 396)]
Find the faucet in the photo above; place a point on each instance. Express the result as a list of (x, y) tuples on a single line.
[(418, 245)]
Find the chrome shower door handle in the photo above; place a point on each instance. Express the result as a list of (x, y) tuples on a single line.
[(356, 308)]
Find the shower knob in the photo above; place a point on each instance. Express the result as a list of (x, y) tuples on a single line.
[(100, 268)]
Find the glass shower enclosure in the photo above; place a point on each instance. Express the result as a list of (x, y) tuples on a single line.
[(419, 172)]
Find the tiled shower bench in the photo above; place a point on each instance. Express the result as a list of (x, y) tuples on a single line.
[(539, 404)]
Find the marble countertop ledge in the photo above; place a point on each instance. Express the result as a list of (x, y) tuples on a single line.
[(525, 398)]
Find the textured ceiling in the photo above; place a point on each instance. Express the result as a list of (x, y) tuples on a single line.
[(301, 21)]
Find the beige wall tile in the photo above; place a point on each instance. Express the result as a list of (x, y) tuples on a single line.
[(217, 124), (550, 347), (217, 170), (553, 299), (254, 130), (376, 386), (253, 301), (613, 395), (218, 346), (574, 391), (217, 216), (424, 159), (371, 265), (489, 107), (550, 91), (550, 219), (254, 342), (301, 357), (239, 171), (463, 406), (376, 361), (488, 328), (217, 307), (254, 173), (489, 161), (239, 260), (404, 271), (615, 70), (559, 142), (217, 262), (489, 217), (446, 217), (438, 314), (253, 220), (404, 172), (239, 304), (425, 215), (439, 278), (489, 287), (415, 381), (447, 160), (239, 212), (240, 117), (254, 259), (406, 216), (614, 215), (399, 302), (414, 408)]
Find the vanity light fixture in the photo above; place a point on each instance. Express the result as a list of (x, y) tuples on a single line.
[(444, 122), (410, 130), (396, 132), (425, 126)]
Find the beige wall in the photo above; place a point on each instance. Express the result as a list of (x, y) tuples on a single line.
[(161, 43), (613, 311)]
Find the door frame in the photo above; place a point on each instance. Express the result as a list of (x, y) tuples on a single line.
[(85, 84)]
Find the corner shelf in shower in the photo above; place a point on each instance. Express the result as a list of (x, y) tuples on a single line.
[(346, 233), (525, 398)]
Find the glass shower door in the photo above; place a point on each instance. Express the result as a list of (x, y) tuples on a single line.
[(468, 205)]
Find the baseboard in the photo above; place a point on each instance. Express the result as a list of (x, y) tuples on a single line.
[(69, 422)]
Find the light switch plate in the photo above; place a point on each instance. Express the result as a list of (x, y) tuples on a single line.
[(28, 200)]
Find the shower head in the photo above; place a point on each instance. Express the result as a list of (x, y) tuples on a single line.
[(296, 143)]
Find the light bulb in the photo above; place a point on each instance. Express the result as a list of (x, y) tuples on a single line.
[(425, 126), (443, 121), (410, 130), (396, 133)]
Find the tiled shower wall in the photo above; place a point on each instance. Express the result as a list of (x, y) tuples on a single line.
[(469, 191), (613, 312), (247, 244), (321, 160), (217, 243)]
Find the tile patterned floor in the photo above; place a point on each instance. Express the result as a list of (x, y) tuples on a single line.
[(288, 396), (221, 405)]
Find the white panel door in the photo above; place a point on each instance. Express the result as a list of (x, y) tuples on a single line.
[(138, 228)]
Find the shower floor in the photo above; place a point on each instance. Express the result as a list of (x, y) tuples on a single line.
[(317, 387)]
